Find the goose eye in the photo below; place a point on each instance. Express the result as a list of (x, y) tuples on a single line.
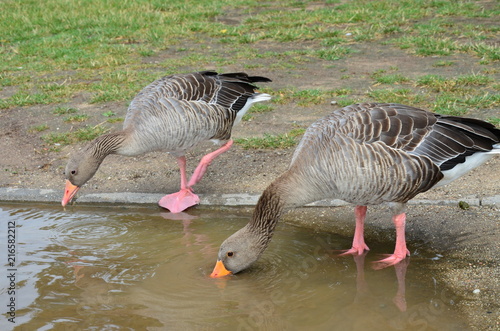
[(229, 254)]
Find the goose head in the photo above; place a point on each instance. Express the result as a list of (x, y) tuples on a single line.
[(239, 251), (80, 168)]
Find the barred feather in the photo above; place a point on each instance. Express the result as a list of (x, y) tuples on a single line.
[(173, 114)]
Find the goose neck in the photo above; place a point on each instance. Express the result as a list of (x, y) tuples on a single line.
[(107, 144), (268, 211)]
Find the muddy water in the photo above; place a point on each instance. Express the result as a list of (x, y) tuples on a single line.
[(114, 269)]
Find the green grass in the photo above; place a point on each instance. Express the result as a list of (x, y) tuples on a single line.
[(109, 114), (333, 53), (443, 63), (439, 83), (458, 105), (258, 108), (39, 128), (280, 141), (54, 52), (427, 45), (398, 95), (307, 97), (342, 102), (86, 133), (115, 120), (382, 78), (64, 110), (76, 118), (487, 53)]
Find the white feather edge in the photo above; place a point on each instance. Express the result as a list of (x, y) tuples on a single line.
[(471, 162), (257, 97)]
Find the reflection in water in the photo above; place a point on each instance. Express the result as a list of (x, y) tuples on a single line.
[(103, 268)]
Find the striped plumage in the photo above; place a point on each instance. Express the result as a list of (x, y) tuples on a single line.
[(177, 112), (173, 114), (365, 154), (388, 152)]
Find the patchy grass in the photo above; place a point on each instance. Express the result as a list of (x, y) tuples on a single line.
[(344, 101), (333, 53), (381, 77), (268, 141), (257, 108), (399, 95), (427, 45), (308, 97), (443, 63), (86, 133), (487, 53), (440, 84), (76, 118), (449, 104), (109, 114), (458, 105), (39, 128), (115, 120), (64, 110), (54, 51)]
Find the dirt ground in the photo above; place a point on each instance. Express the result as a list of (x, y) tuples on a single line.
[(472, 234)]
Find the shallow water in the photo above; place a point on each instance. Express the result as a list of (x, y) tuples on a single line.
[(114, 269)]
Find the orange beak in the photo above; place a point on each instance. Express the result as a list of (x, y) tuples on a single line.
[(69, 192), (220, 270)]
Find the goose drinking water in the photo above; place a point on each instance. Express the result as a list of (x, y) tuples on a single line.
[(173, 114), (365, 154)]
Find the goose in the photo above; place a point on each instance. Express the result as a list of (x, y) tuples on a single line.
[(173, 114), (365, 154)]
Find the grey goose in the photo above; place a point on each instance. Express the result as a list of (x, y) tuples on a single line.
[(365, 154), (173, 114)]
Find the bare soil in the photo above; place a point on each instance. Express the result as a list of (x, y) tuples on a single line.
[(27, 163)]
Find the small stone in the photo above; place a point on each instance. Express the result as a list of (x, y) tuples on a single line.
[(476, 291), (463, 205)]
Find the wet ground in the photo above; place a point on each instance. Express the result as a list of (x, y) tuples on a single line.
[(108, 268)]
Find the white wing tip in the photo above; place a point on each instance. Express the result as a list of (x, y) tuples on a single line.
[(258, 97)]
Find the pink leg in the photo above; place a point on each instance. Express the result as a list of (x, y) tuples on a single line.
[(185, 198), (181, 162), (400, 298), (400, 252), (361, 284), (205, 162), (358, 243)]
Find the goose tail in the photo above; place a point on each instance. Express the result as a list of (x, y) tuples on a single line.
[(495, 149), (244, 77), (475, 158), (258, 97)]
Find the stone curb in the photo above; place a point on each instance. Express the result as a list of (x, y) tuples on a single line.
[(49, 195)]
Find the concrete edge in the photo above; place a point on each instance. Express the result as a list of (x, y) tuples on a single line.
[(242, 199)]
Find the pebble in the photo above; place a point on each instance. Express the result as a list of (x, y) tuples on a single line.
[(476, 291)]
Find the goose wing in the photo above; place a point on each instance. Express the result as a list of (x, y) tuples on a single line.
[(229, 91), (204, 104), (373, 152), (446, 140)]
